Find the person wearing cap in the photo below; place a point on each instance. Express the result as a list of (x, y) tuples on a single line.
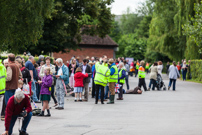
[(113, 79)]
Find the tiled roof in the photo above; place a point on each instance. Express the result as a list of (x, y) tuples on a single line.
[(96, 40)]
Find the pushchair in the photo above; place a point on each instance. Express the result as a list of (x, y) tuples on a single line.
[(160, 83)]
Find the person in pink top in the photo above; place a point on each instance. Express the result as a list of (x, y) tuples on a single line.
[(72, 69)]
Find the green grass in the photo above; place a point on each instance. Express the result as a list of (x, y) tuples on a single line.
[(194, 81)]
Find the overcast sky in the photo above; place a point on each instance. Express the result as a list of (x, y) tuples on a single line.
[(119, 6)]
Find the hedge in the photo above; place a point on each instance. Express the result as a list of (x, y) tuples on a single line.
[(196, 70), (26, 58)]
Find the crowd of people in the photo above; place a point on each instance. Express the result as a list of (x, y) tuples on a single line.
[(25, 82)]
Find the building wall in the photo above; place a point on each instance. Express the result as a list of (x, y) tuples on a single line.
[(86, 51)]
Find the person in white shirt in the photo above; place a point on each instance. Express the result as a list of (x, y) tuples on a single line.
[(160, 67)]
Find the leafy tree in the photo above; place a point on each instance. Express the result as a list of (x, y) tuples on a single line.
[(69, 21), (115, 32), (129, 22), (22, 22), (132, 46), (193, 28)]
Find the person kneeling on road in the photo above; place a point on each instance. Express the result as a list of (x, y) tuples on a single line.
[(18, 106)]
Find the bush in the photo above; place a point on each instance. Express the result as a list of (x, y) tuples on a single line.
[(196, 71), (26, 58)]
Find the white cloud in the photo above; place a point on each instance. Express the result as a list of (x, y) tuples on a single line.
[(119, 6)]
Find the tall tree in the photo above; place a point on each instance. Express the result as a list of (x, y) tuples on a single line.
[(21, 22), (70, 20)]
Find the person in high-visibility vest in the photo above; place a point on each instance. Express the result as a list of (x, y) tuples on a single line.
[(137, 68), (101, 77), (121, 80), (3, 76), (141, 75), (147, 67), (112, 80)]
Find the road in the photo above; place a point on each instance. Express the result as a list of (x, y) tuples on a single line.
[(152, 113)]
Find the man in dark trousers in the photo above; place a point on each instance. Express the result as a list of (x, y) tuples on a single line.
[(18, 106), (86, 69)]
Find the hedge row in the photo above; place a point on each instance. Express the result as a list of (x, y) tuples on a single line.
[(26, 58), (196, 70)]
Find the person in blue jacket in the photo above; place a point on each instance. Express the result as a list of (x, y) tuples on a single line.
[(62, 76)]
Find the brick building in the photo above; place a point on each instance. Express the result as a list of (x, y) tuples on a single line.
[(91, 46)]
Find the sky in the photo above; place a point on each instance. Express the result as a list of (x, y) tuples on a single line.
[(119, 6)]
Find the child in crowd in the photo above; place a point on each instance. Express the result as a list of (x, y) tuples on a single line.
[(78, 87), (45, 92)]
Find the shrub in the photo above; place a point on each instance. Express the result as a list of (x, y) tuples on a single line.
[(26, 58), (196, 71)]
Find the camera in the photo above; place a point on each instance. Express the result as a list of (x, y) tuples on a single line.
[(23, 114)]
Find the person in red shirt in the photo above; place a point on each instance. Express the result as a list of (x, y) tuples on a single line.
[(78, 86), (17, 106), (178, 66)]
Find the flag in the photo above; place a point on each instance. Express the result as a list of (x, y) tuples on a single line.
[(117, 88)]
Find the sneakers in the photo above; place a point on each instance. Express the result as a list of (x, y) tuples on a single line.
[(60, 108), (37, 101), (119, 99), (168, 87), (75, 100), (47, 115), (23, 132), (148, 89)]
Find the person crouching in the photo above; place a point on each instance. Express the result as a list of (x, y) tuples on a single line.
[(78, 86), (18, 106), (46, 84)]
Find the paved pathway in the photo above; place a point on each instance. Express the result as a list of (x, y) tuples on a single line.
[(152, 113)]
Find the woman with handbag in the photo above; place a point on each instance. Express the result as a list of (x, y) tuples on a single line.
[(173, 75)]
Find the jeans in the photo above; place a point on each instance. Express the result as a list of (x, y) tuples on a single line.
[(184, 75), (8, 94), (97, 88), (38, 89), (153, 83), (53, 94), (106, 92), (24, 123), (34, 97), (120, 94), (127, 82), (170, 83)]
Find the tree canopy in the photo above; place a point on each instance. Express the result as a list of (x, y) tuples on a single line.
[(47, 26)]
